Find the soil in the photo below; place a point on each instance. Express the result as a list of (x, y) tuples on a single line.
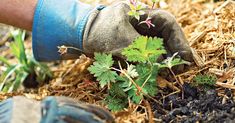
[(31, 81), (196, 106)]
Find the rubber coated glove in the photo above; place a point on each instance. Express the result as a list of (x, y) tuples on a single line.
[(52, 110), (166, 27), (100, 29)]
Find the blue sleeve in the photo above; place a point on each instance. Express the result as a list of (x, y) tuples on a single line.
[(57, 23)]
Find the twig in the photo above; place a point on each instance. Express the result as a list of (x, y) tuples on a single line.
[(175, 77), (158, 103), (225, 85), (222, 6), (149, 110)]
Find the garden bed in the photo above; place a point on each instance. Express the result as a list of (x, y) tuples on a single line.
[(210, 29)]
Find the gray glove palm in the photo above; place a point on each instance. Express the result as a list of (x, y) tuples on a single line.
[(111, 29)]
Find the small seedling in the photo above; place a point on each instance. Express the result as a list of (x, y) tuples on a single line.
[(26, 69), (206, 81), (138, 9), (135, 81)]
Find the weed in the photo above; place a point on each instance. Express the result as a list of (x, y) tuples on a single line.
[(27, 68), (135, 81), (206, 81)]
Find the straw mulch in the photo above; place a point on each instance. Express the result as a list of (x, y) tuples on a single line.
[(210, 29)]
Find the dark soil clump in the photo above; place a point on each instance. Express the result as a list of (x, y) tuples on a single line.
[(197, 106)]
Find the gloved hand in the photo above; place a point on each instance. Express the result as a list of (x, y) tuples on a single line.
[(102, 29), (52, 110), (166, 27)]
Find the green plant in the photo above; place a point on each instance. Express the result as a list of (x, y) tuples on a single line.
[(206, 81), (25, 69), (137, 9), (135, 81)]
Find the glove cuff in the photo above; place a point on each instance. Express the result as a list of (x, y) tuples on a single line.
[(6, 110), (58, 23)]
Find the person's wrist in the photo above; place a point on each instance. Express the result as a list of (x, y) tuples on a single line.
[(17, 13)]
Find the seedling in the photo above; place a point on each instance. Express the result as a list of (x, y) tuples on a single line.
[(205, 81), (135, 81), (138, 9), (27, 70)]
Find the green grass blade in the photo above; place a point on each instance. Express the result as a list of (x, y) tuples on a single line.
[(42, 66), (15, 50), (3, 78), (5, 61), (20, 77), (18, 46)]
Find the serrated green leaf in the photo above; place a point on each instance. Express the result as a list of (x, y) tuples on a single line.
[(146, 73), (116, 104), (143, 48), (117, 91), (117, 99), (104, 59), (136, 98), (101, 69)]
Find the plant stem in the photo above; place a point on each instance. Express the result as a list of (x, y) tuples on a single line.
[(146, 81), (153, 5), (175, 77), (69, 47), (178, 82), (151, 64), (132, 81)]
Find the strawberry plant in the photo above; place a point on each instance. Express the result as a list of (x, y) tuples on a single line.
[(135, 81), (27, 70)]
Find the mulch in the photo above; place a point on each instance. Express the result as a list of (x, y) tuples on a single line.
[(210, 30)]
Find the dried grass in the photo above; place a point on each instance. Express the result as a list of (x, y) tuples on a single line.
[(210, 29)]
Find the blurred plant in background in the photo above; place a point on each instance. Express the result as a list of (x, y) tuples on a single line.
[(27, 71)]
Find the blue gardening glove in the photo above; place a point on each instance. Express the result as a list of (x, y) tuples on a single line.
[(52, 110), (74, 24), (100, 29), (58, 23)]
